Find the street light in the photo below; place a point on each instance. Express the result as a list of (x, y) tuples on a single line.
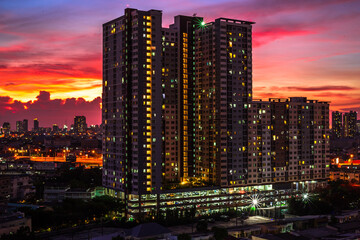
[(255, 201), (305, 196)]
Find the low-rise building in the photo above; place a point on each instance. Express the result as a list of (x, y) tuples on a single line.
[(245, 231), (59, 193), (351, 175), (5, 187), (22, 186), (16, 186), (55, 193), (12, 222), (348, 216)]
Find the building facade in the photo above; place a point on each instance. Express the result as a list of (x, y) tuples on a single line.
[(223, 84), (337, 125), (36, 125), (22, 126), (80, 125), (6, 128), (350, 128), (19, 126), (180, 122)]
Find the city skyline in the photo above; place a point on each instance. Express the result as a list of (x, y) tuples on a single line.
[(52, 49)]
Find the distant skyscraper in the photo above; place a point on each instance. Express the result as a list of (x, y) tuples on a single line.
[(36, 125), (19, 126), (22, 126), (349, 126), (55, 128), (80, 125), (178, 109), (337, 124), (6, 128), (25, 125)]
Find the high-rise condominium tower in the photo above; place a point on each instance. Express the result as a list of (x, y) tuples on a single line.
[(178, 113), (337, 124), (36, 125), (80, 125), (349, 127)]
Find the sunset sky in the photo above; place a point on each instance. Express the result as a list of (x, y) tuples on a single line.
[(50, 51)]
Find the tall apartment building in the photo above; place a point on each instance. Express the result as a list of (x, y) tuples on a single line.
[(179, 120), (133, 103), (299, 139), (25, 124), (19, 126), (337, 124), (22, 126), (6, 128), (178, 76), (223, 85), (349, 127), (80, 125), (36, 125), (288, 140)]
